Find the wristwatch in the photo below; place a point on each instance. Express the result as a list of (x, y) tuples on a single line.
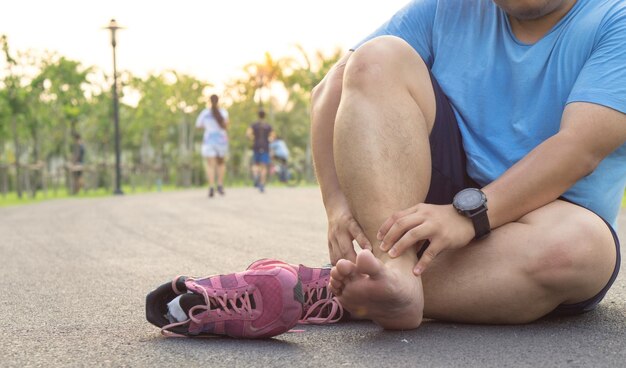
[(472, 203)]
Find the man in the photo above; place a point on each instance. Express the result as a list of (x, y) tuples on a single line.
[(261, 133), (524, 99)]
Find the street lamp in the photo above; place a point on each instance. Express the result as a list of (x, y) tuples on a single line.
[(113, 27)]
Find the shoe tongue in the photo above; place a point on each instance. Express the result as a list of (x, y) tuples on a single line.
[(190, 300)]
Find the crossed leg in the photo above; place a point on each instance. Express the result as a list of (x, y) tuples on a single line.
[(382, 158), (560, 253)]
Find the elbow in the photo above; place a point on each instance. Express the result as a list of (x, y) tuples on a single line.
[(584, 161), (583, 158), (589, 162)]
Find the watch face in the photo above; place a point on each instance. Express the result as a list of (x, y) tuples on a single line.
[(468, 199)]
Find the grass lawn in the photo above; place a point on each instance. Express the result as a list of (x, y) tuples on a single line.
[(11, 199)]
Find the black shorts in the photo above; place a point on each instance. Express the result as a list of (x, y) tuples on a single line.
[(449, 176)]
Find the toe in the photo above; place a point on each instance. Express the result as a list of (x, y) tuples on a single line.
[(368, 264), (344, 269), (336, 275), (335, 287), (335, 284)]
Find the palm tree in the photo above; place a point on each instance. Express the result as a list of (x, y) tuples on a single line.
[(263, 75), (300, 82)]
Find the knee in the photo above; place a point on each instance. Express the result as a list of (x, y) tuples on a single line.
[(380, 61), (553, 261), (572, 253)]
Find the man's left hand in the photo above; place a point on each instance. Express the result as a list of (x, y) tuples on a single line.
[(443, 226)]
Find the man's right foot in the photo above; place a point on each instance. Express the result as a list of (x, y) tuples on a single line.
[(211, 192), (320, 304), (251, 304), (370, 289)]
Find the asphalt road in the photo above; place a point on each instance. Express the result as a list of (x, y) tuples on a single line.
[(75, 273)]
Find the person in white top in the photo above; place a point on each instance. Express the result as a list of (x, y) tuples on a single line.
[(214, 121)]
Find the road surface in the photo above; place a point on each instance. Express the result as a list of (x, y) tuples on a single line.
[(75, 274)]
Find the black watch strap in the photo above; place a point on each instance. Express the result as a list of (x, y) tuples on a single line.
[(480, 220)]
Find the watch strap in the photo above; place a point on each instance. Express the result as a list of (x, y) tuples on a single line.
[(481, 223)]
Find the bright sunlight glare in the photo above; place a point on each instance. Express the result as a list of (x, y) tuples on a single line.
[(211, 40)]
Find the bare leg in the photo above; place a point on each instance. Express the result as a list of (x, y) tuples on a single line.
[(382, 157), (560, 253), (210, 171), (262, 173), (221, 171), (255, 173)]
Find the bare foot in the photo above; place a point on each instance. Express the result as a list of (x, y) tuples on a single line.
[(389, 296)]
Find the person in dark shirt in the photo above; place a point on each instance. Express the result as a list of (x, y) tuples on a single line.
[(261, 133), (78, 159)]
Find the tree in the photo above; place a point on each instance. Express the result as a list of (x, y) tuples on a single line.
[(16, 97), (45, 97), (291, 120), (299, 80), (164, 119), (263, 75), (61, 85), (187, 99), (57, 101)]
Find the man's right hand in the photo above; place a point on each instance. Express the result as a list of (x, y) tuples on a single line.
[(342, 230)]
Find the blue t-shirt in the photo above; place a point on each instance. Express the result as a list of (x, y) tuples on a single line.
[(279, 149), (509, 96)]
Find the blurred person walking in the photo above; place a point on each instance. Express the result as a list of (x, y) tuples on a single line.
[(78, 160), (214, 121), (261, 133)]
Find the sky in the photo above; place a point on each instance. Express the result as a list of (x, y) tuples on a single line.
[(209, 39)]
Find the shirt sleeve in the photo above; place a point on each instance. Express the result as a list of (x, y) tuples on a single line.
[(414, 24), (602, 79), (199, 120)]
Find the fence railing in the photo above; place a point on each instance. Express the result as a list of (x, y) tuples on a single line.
[(50, 179), (38, 177)]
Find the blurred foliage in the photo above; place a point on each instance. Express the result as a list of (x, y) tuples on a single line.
[(45, 98)]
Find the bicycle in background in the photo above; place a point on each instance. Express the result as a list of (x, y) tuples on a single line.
[(285, 172)]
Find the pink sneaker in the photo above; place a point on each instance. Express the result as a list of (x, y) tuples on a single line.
[(251, 304), (320, 305)]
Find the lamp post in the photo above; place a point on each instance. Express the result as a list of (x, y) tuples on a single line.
[(113, 27)]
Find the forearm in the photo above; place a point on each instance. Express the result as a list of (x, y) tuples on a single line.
[(588, 134), (538, 179)]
